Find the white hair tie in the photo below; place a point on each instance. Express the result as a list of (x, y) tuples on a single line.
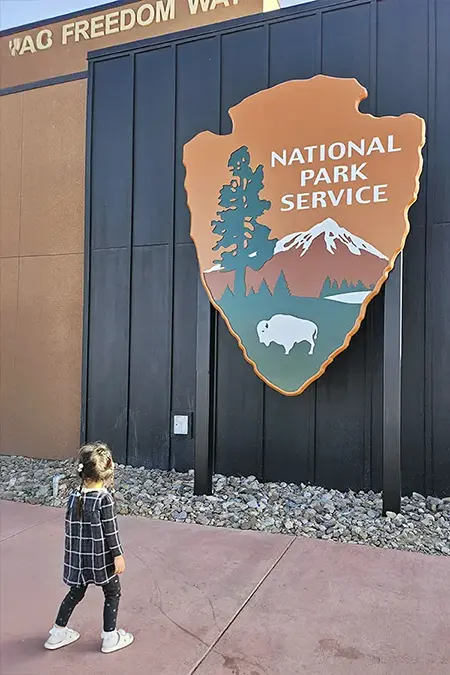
[(80, 467)]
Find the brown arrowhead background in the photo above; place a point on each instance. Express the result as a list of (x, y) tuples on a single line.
[(300, 113)]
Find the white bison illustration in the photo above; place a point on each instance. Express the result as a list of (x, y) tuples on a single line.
[(287, 331)]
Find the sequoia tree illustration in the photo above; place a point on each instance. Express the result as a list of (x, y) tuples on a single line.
[(243, 240)]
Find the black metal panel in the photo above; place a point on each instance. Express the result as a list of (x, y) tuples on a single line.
[(239, 413), (184, 344), (150, 347), (293, 49), (111, 171), (184, 84), (154, 141), (245, 60), (413, 385), (341, 405), (439, 349), (198, 109), (437, 422), (392, 389), (441, 104), (87, 258), (204, 394), (289, 436), (402, 40), (108, 350), (340, 419), (289, 423), (346, 44), (374, 325), (110, 195)]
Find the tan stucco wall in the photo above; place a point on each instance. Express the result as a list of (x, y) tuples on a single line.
[(42, 149), (42, 160)]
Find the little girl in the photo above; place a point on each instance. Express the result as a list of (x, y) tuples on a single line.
[(93, 552)]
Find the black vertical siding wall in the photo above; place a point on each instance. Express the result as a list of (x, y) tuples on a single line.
[(147, 100)]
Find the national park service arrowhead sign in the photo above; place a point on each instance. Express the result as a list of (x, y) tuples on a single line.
[(297, 217)]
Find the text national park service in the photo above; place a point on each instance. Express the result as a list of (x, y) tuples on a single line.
[(336, 174)]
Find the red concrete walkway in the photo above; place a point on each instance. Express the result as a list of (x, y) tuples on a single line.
[(207, 601)]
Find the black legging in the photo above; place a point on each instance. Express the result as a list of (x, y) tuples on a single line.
[(76, 594)]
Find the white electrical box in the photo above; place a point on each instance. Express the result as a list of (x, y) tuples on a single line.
[(181, 425)]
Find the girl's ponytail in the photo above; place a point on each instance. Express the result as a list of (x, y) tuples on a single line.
[(79, 497)]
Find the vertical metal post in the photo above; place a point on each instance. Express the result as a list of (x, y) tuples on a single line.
[(203, 424), (392, 389)]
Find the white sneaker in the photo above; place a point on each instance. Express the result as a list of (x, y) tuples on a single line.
[(119, 639), (61, 637)]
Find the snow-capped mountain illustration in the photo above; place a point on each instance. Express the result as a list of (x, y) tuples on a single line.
[(332, 235), (307, 259)]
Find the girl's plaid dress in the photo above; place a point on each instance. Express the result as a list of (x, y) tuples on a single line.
[(91, 541)]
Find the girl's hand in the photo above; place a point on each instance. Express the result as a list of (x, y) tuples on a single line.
[(119, 563)]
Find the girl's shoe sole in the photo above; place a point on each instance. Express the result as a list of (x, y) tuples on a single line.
[(117, 647), (74, 636)]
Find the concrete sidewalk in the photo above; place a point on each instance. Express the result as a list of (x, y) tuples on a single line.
[(223, 602)]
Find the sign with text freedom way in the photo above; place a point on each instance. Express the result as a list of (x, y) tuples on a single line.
[(61, 46), (297, 217)]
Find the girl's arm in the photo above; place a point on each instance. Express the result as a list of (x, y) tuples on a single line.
[(110, 526)]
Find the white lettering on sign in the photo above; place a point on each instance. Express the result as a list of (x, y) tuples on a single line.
[(67, 30), (27, 45), (97, 26), (44, 39), (367, 194), (165, 12), (112, 23), (117, 21), (81, 30), (335, 151), (340, 173), (145, 15), (209, 5)]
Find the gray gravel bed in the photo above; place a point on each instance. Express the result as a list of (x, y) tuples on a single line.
[(244, 503)]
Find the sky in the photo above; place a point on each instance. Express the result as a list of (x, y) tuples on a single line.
[(18, 12)]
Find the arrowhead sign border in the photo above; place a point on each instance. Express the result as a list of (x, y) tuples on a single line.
[(390, 261)]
